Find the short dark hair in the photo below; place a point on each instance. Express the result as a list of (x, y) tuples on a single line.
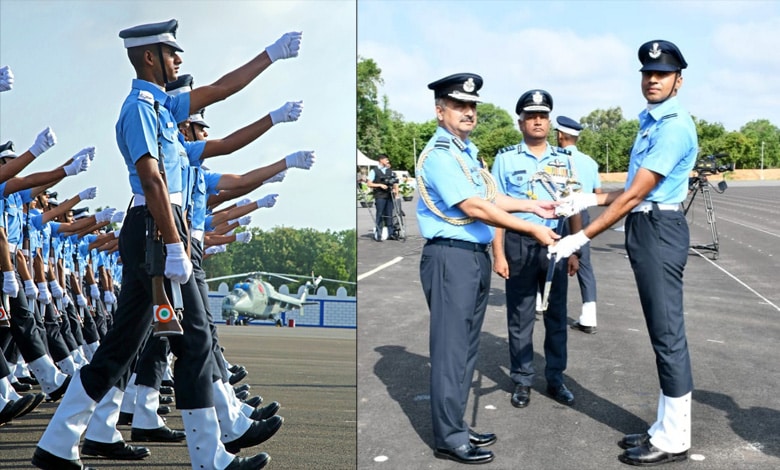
[(382, 155)]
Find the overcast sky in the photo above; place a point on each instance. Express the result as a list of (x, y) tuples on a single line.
[(583, 53), (72, 73)]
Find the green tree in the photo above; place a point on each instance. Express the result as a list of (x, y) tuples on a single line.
[(369, 113), (495, 130)]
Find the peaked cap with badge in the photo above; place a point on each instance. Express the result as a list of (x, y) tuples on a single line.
[(459, 87), (7, 150), (661, 56), (182, 84), (152, 33), (535, 101)]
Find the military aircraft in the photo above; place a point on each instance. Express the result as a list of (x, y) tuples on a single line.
[(257, 299)]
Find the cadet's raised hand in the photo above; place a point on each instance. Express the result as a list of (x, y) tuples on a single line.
[(118, 218), (244, 237), (243, 202), (285, 47), (89, 193), (267, 201), (277, 178), (43, 142), (78, 165), (212, 250), (105, 215), (291, 111), (301, 159), (6, 80)]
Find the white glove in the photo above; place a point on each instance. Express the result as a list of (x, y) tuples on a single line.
[(6, 80), (10, 286), (244, 237), (94, 292), (242, 221), (29, 289), (105, 215), (117, 218), (79, 164), (108, 298), (301, 159), (56, 290), (81, 301), (43, 293), (276, 178), (285, 47), (567, 245), (575, 204), (45, 140), (243, 202), (88, 151), (178, 267), (291, 111), (66, 300), (215, 249), (267, 201), (89, 193)]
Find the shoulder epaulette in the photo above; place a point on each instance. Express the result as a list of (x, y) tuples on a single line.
[(144, 95), (562, 150), (508, 149), (442, 143), (669, 116)]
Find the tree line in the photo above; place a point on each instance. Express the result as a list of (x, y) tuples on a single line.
[(284, 250), (607, 135)]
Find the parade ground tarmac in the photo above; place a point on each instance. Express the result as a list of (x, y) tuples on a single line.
[(310, 371), (732, 308)]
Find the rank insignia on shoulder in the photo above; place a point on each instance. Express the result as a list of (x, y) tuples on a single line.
[(442, 143), (668, 116), (561, 150), (459, 143), (507, 149), (144, 95)]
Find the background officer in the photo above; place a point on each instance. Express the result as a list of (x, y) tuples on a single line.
[(385, 188), (657, 241), (458, 204), (533, 170), (587, 175)]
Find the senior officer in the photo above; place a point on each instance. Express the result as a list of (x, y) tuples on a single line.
[(533, 170), (567, 134), (147, 138), (457, 210), (657, 241)]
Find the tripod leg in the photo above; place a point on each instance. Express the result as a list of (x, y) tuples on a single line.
[(710, 209)]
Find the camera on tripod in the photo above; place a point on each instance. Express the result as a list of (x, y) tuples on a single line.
[(711, 165), (390, 181)]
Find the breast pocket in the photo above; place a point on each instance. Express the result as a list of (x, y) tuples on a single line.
[(515, 184)]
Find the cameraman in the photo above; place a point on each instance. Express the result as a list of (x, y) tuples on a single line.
[(385, 188)]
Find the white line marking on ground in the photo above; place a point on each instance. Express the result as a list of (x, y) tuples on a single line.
[(737, 279), (749, 226), (379, 268), (716, 341)]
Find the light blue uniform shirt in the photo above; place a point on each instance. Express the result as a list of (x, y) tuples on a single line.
[(666, 144), (137, 129), (514, 170), (207, 185), (587, 169), (14, 208), (448, 186)]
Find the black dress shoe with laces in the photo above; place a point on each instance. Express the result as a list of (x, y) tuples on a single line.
[(165, 399), (591, 330), (561, 394), (116, 450), (15, 408), (163, 410), (522, 396), (249, 463), (648, 455), (60, 391), (242, 388), (235, 368), (266, 412), (634, 440), (28, 380), (466, 453), (21, 387), (37, 399), (166, 390), (161, 434), (47, 461), (481, 439), (243, 395), (259, 431)]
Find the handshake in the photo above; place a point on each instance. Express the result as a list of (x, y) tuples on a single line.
[(576, 203)]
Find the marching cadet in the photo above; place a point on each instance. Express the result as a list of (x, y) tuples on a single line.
[(458, 207), (147, 138), (657, 241)]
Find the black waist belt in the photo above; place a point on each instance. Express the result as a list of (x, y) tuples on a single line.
[(464, 245)]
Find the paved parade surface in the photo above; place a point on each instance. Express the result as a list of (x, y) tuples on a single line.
[(732, 307), (310, 371)]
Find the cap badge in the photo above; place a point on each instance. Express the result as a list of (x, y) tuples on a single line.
[(655, 52), (537, 97), (468, 85)]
